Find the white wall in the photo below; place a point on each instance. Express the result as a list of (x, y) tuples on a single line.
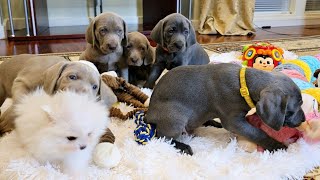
[(76, 12)]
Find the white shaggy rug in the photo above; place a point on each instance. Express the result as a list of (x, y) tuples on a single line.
[(216, 156)]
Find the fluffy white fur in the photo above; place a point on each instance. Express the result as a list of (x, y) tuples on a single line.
[(216, 156), (63, 128)]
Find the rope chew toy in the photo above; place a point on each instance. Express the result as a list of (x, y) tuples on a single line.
[(144, 132)]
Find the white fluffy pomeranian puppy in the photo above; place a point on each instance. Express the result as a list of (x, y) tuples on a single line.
[(63, 128)]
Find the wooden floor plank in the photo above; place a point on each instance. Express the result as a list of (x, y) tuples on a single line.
[(8, 48)]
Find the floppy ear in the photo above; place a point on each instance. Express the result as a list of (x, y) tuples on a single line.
[(52, 75), (272, 108), (150, 55), (192, 35), (157, 33), (124, 41), (106, 94), (90, 34)]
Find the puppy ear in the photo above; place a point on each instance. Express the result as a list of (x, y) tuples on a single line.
[(106, 94), (272, 108), (157, 33), (192, 35), (52, 75), (124, 41), (150, 55), (90, 33)]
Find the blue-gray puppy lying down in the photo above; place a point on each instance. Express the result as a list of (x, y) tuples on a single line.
[(176, 46), (188, 96)]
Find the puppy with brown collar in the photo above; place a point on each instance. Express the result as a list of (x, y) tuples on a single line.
[(24, 73), (186, 97), (140, 57)]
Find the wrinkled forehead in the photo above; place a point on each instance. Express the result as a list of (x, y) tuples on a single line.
[(110, 23), (137, 39), (82, 69), (179, 23)]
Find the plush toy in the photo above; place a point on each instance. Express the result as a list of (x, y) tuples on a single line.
[(106, 153), (309, 130), (125, 92), (262, 55), (316, 75)]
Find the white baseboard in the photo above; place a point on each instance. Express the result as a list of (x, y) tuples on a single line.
[(278, 21), (286, 20)]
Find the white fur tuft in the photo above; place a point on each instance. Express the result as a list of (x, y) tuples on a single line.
[(44, 123)]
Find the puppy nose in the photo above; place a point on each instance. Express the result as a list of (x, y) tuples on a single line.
[(134, 59), (112, 47), (178, 45), (82, 147)]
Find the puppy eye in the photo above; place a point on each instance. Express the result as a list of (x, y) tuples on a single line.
[(71, 138), (119, 31), (171, 31), (73, 77), (94, 87), (142, 48), (186, 32), (129, 46), (103, 31)]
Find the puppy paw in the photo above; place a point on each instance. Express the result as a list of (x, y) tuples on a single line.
[(276, 146), (106, 155), (184, 148)]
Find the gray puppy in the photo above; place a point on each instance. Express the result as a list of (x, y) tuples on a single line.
[(177, 46), (106, 36), (188, 96)]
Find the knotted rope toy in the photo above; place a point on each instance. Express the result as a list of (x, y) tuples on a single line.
[(144, 132)]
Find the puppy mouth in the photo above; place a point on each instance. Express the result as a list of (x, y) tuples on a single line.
[(106, 50), (173, 49), (136, 63)]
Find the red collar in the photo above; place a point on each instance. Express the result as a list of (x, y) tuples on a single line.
[(165, 49)]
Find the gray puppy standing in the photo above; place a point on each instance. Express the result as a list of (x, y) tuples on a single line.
[(188, 96), (106, 37), (177, 46)]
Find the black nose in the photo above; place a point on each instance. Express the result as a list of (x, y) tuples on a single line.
[(178, 45), (112, 47), (134, 59), (82, 147)]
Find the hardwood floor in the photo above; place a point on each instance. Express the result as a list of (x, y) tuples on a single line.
[(8, 48)]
